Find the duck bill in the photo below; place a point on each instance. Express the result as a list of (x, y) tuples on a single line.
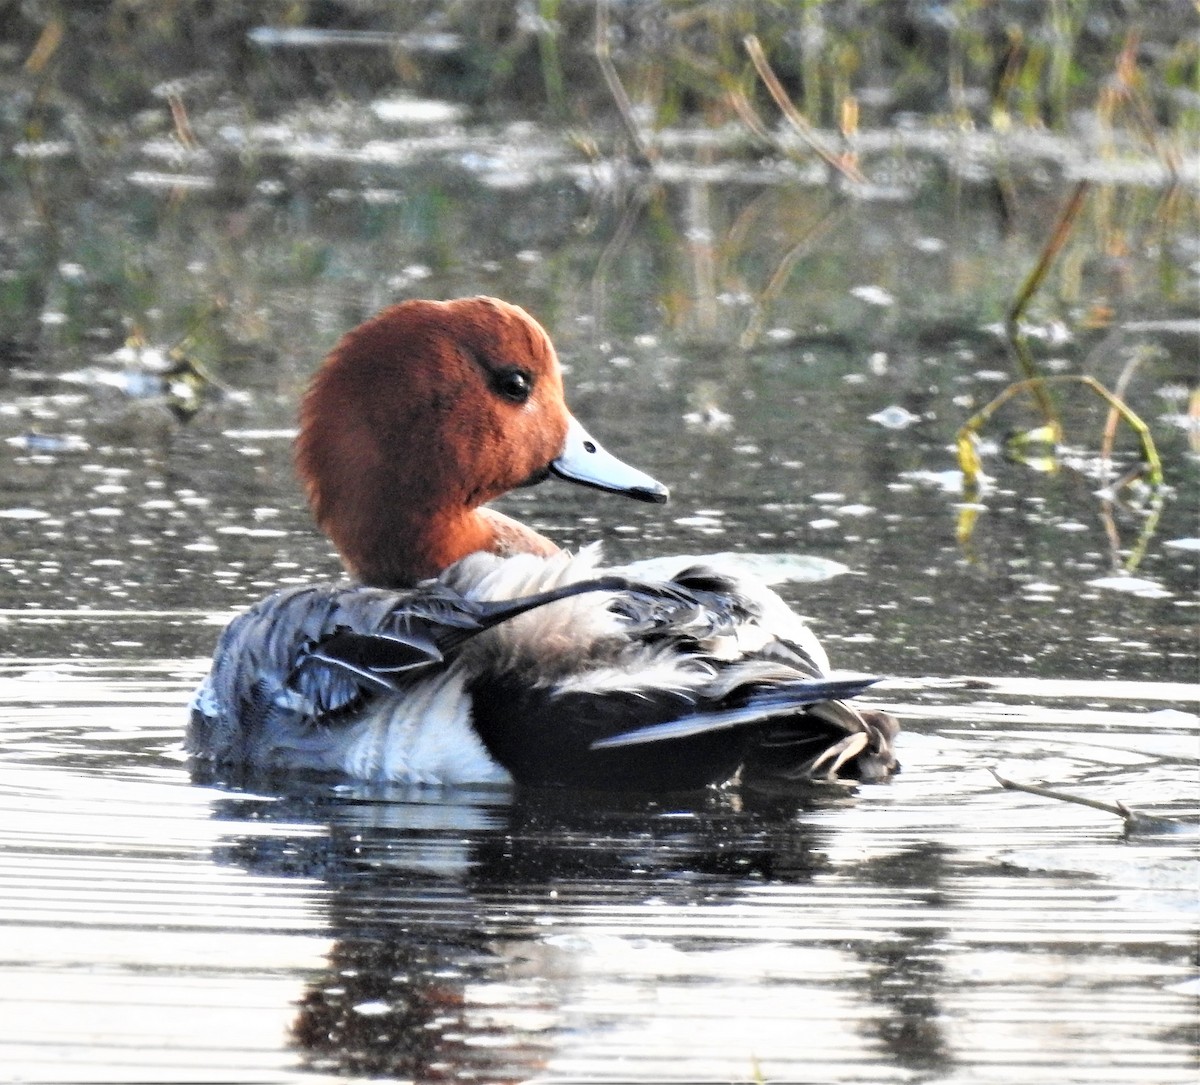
[(583, 460)]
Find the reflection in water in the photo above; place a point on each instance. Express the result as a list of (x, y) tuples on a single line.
[(399, 1004), (907, 931), (457, 918), (906, 976), (469, 927)]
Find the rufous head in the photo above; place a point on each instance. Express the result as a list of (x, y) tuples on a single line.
[(425, 412)]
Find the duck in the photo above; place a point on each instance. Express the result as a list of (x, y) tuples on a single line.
[(466, 648)]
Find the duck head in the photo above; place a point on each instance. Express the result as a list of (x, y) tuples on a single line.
[(427, 411)]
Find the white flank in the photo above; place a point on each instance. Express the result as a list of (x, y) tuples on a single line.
[(422, 738)]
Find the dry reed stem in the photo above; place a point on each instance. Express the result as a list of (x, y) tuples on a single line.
[(1110, 423), (46, 46), (615, 87), (1058, 238), (183, 127), (793, 116), (783, 272), (1033, 281), (1061, 796)]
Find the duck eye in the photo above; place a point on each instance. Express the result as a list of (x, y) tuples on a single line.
[(514, 384)]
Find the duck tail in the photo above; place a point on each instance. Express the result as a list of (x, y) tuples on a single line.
[(806, 731), (765, 703)]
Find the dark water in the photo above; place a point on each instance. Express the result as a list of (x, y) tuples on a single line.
[(793, 357)]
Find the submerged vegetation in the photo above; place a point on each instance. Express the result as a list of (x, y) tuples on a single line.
[(866, 100)]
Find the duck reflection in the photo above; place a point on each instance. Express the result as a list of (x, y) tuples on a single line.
[(466, 923), (905, 971)]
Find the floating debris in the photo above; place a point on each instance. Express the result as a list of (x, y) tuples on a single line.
[(895, 417), (873, 295), (1140, 586), (949, 481), (308, 37), (1136, 823), (161, 179), (709, 525), (148, 372), (709, 418), (405, 110), (48, 443)]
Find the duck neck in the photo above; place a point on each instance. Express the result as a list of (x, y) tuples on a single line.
[(409, 548)]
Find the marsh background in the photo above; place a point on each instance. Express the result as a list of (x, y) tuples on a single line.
[(785, 304)]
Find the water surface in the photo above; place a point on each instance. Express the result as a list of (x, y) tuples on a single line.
[(936, 928)]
